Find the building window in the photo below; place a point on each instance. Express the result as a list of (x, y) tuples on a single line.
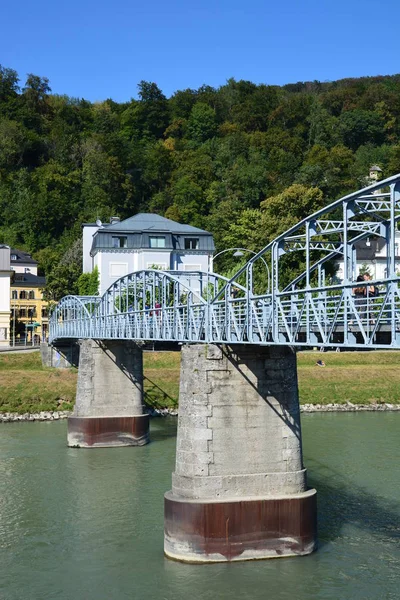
[(45, 313), (22, 312), (157, 241), (191, 243), (118, 269), (13, 257), (14, 295), (22, 295), (31, 295), (119, 241)]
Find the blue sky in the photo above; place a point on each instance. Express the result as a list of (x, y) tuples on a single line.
[(97, 49)]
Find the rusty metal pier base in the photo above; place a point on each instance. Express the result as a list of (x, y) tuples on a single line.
[(107, 432), (198, 531)]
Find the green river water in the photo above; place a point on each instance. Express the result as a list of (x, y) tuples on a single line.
[(88, 524)]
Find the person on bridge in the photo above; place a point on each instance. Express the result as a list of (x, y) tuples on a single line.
[(360, 299), (371, 291)]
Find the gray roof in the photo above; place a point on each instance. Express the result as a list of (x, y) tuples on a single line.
[(24, 279), (375, 168), (151, 222), (368, 251), (22, 257)]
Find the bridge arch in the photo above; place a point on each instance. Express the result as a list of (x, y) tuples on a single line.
[(307, 310)]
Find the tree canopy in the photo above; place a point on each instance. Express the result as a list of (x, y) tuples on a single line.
[(244, 161)]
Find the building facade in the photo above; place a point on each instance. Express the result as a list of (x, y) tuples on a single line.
[(143, 241), (29, 310), (371, 254), (5, 286)]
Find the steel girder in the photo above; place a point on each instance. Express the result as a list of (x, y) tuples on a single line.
[(206, 307)]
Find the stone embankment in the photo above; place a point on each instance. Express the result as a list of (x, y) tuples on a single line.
[(44, 415), (348, 407), (56, 415)]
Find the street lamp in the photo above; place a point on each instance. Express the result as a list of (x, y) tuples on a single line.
[(240, 252)]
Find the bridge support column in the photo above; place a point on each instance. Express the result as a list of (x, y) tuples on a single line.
[(109, 399), (239, 489)]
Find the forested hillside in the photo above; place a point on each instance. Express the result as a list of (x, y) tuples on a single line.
[(244, 161)]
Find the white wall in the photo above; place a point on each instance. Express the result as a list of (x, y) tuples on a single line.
[(113, 264), (195, 262), (24, 269), (4, 292), (149, 258), (87, 240), (377, 268)]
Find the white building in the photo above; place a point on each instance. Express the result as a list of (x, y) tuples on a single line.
[(372, 253), (143, 241), (22, 262), (5, 280)]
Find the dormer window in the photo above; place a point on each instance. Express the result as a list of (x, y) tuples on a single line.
[(157, 241), (191, 243), (119, 241), (13, 257)]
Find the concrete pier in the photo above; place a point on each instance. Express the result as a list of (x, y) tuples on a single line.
[(239, 489), (109, 400)]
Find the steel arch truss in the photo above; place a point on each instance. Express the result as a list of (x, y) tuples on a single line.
[(309, 311), (144, 305)]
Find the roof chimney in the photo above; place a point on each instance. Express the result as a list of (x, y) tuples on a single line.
[(114, 220)]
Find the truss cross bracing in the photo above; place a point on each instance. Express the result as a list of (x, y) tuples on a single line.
[(312, 310)]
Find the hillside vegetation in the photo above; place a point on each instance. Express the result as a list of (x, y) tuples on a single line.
[(243, 161)]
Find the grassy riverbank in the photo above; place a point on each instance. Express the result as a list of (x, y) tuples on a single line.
[(357, 377)]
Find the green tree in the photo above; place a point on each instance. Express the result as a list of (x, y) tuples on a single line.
[(360, 127), (88, 283), (63, 278), (202, 123), (284, 210)]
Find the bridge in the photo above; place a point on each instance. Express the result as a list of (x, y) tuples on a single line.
[(239, 490), (308, 311)]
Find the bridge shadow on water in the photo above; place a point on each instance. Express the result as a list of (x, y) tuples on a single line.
[(165, 431), (341, 503)]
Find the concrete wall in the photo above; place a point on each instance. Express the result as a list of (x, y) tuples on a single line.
[(63, 356), (110, 380), (239, 423)]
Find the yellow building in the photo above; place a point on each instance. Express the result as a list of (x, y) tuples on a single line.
[(29, 311)]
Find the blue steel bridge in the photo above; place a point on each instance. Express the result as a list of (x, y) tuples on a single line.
[(312, 310)]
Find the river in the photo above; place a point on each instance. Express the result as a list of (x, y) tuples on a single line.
[(88, 524)]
